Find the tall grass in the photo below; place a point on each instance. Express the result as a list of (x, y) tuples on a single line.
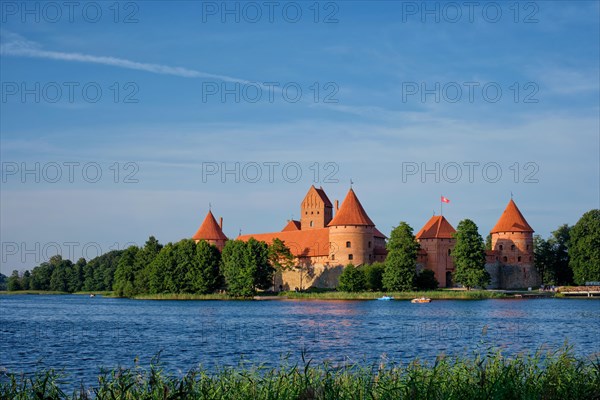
[(550, 375)]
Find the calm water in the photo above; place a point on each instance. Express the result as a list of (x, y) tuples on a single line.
[(82, 334)]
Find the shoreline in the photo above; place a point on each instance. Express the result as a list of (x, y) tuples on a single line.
[(328, 295)]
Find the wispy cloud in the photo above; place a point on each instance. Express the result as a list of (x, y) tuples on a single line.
[(12, 44)]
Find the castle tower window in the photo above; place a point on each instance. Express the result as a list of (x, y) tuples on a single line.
[(311, 223), (333, 256), (449, 251), (501, 247), (512, 246), (505, 259), (530, 258), (350, 257), (519, 259), (348, 244), (369, 244), (369, 257), (527, 247)]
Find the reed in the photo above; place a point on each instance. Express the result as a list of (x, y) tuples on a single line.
[(541, 375)]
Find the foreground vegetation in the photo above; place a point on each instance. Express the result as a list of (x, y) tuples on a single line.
[(558, 375)]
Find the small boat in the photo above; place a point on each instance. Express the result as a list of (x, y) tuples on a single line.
[(421, 300), (92, 295), (386, 298)]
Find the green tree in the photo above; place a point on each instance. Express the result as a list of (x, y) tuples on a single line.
[(562, 272), (185, 254), (41, 275), (3, 281), (124, 274), (99, 272), (352, 279), (238, 274), (14, 282), (374, 276), (469, 256), (426, 280), (280, 257), (257, 259), (141, 264), (204, 276), (26, 280), (584, 248), (488, 242), (161, 271), (75, 276), (401, 261), (544, 259), (60, 276)]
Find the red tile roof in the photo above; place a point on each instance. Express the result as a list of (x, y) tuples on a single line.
[(351, 212), (292, 225), (324, 197), (314, 242), (511, 220), (437, 227), (378, 233), (209, 230)]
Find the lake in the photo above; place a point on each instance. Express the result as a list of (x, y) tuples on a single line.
[(82, 334)]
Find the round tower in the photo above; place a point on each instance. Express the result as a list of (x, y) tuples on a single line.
[(351, 234), (512, 237)]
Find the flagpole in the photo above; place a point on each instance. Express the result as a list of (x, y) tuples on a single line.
[(441, 205)]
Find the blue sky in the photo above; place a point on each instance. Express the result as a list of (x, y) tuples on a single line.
[(394, 82)]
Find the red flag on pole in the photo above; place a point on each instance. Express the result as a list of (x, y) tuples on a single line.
[(445, 200)]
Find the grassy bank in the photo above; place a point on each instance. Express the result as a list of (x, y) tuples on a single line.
[(102, 293), (558, 375), (184, 296), (334, 295), (442, 294), (30, 292), (432, 294)]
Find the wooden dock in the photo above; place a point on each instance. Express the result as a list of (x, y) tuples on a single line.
[(588, 291)]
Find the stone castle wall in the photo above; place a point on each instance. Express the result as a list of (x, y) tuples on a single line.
[(512, 276)]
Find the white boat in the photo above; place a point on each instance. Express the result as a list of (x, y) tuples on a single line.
[(421, 300), (386, 298)]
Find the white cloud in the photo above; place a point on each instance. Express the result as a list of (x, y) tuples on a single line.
[(16, 45)]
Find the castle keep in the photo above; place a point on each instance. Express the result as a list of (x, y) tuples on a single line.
[(328, 237)]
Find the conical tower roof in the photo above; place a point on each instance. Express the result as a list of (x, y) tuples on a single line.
[(351, 212), (209, 230), (437, 227), (292, 225), (511, 220)]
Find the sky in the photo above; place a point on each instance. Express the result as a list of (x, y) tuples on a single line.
[(121, 120)]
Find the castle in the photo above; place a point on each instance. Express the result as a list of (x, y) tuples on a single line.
[(328, 237)]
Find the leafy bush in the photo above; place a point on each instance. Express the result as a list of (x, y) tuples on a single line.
[(352, 280)]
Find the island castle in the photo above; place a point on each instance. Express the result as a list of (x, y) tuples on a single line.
[(328, 237)]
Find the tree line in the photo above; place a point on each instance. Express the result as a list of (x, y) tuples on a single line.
[(569, 255), (240, 269)]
